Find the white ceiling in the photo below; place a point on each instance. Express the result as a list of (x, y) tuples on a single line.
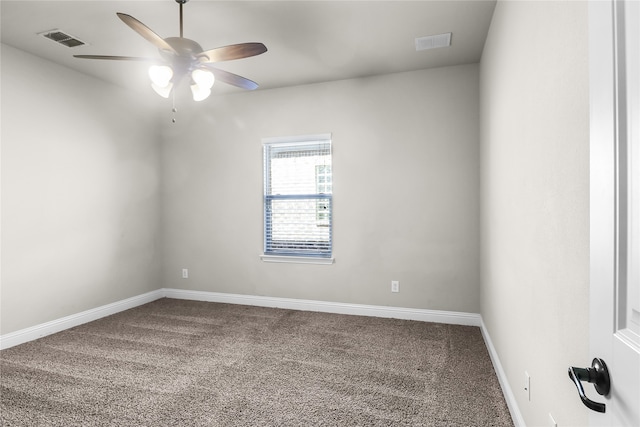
[(308, 41)]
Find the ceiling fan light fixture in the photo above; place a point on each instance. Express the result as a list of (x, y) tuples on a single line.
[(163, 91), (203, 78), (160, 75), (182, 57), (200, 93)]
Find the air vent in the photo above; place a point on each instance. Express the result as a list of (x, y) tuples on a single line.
[(62, 38), (433, 42)]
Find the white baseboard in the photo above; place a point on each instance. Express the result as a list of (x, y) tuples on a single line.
[(29, 334), (48, 328), (450, 317), (502, 378)]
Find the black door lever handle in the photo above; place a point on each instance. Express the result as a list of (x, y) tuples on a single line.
[(598, 375)]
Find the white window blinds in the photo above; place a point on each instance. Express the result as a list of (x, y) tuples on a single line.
[(298, 188)]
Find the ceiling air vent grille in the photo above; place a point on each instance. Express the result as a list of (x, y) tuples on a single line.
[(62, 38), (432, 42)]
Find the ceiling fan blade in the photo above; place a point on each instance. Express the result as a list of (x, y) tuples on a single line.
[(234, 51), (145, 32), (116, 58), (232, 79)]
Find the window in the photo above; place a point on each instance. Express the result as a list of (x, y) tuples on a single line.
[(298, 189), (323, 186)]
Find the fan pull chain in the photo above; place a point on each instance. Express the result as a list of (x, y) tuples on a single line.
[(174, 110)]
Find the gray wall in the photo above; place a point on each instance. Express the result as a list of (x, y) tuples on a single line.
[(535, 201), (84, 224), (80, 183), (406, 202)]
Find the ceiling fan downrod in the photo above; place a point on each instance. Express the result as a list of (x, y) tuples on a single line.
[(181, 2)]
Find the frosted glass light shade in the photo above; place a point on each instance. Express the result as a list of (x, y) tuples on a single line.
[(160, 75), (200, 93), (163, 91), (203, 78)]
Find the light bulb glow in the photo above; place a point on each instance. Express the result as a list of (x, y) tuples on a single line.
[(164, 91), (160, 75), (200, 93), (203, 78)]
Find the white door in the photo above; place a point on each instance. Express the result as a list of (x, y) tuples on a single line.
[(614, 66)]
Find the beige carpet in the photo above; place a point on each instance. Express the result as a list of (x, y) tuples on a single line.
[(187, 363)]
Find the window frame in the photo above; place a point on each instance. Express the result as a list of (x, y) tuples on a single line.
[(297, 256)]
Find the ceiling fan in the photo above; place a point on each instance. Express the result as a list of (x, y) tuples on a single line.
[(180, 57)]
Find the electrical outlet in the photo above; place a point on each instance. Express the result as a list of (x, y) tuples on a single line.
[(395, 286), (185, 273), (527, 385)]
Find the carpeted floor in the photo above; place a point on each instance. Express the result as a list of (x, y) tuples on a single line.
[(188, 363)]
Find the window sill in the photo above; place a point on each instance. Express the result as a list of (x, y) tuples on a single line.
[(296, 259)]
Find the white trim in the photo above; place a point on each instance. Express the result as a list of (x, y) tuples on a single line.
[(38, 331), (297, 259), (29, 334), (510, 398), (450, 317), (423, 315)]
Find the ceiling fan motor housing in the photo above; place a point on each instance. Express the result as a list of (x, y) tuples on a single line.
[(184, 47), (187, 53)]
